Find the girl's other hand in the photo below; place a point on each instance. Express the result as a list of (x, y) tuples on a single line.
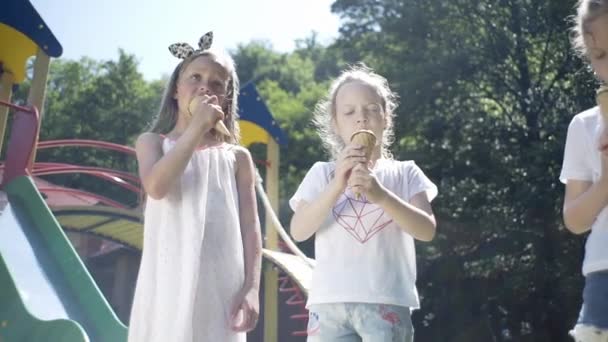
[(363, 181), (245, 310)]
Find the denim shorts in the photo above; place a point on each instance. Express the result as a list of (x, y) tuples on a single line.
[(359, 322), (594, 311), (592, 324)]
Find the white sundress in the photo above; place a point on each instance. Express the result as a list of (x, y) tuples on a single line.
[(192, 261)]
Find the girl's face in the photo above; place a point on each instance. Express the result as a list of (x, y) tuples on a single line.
[(358, 106), (203, 76), (597, 45)]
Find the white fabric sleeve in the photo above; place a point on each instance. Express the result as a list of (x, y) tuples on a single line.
[(576, 165), (418, 182), (311, 187)]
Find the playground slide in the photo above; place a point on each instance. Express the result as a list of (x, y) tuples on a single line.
[(46, 293)]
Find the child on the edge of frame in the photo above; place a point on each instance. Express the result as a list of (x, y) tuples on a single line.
[(200, 269), (585, 173), (365, 215)]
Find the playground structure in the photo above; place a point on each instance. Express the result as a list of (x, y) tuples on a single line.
[(46, 291)]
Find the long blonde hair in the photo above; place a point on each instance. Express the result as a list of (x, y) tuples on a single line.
[(166, 118), (325, 110), (587, 11)]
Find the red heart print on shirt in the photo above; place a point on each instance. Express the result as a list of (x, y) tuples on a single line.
[(359, 218)]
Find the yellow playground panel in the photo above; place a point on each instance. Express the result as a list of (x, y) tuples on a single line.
[(23, 34)]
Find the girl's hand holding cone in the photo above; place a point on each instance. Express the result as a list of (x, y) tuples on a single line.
[(211, 103), (367, 139)]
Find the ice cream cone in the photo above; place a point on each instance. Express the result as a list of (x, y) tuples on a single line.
[(602, 101), (368, 140), (219, 126)]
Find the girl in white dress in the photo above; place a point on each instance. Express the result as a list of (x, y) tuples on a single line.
[(200, 267)]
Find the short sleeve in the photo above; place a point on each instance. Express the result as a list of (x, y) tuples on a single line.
[(418, 182), (312, 185), (576, 164)]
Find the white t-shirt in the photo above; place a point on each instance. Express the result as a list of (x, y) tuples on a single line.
[(362, 255), (582, 162)]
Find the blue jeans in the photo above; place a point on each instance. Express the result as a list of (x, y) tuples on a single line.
[(595, 300), (592, 324), (359, 322)]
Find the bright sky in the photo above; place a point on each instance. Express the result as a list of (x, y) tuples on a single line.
[(97, 29)]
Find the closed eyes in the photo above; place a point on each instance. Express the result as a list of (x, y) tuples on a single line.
[(374, 107)]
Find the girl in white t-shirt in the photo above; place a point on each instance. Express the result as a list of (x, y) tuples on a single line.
[(585, 173), (363, 285)]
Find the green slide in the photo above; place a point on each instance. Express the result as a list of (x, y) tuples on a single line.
[(46, 293)]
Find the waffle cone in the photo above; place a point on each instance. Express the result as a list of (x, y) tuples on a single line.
[(367, 139)]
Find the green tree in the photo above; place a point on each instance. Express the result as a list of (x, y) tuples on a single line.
[(106, 101), (290, 84), (487, 90)]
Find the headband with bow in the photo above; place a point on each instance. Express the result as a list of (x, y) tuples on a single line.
[(184, 50)]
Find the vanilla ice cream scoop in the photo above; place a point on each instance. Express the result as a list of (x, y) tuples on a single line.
[(219, 126)]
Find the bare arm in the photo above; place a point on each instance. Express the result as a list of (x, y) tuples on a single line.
[(248, 214), (157, 171), (308, 217), (584, 200), (415, 218), (247, 299), (582, 203)]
